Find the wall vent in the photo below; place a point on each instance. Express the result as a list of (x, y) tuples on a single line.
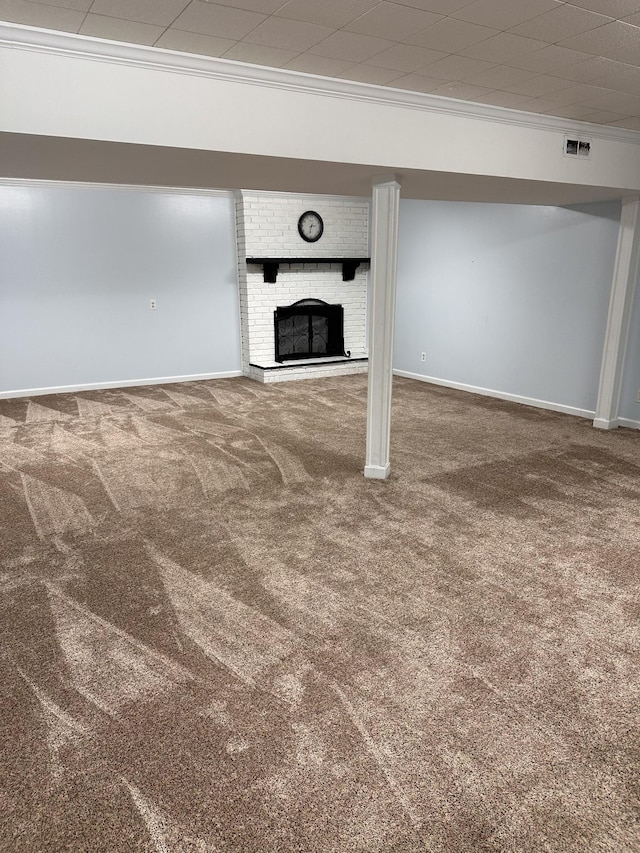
[(577, 147)]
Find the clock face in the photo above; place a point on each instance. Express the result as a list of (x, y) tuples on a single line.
[(310, 226)]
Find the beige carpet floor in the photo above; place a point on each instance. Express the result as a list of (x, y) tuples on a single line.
[(217, 636)]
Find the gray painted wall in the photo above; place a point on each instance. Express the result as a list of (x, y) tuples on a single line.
[(509, 298), (78, 268)]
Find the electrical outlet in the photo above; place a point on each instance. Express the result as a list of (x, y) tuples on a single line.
[(638, 396), (423, 357), (152, 304)]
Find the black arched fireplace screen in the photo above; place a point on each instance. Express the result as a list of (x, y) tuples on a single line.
[(309, 328)]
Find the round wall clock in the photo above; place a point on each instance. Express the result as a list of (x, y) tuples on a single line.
[(310, 226)]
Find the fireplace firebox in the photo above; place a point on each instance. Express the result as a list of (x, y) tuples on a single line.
[(309, 328)]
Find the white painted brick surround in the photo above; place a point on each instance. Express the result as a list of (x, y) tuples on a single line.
[(267, 226)]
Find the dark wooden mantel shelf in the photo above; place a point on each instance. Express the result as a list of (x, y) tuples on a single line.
[(270, 266)]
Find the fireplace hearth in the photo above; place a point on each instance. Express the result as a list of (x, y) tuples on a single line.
[(310, 328)]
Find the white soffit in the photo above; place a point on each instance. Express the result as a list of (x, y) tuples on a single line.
[(55, 42), (28, 158)]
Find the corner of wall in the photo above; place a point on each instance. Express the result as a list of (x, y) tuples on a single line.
[(241, 250)]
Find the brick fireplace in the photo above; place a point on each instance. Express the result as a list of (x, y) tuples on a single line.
[(267, 228)]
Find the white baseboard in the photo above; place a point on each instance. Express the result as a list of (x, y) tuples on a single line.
[(629, 423), (603, 423), (123, 383), (377, 472), (500, 395)]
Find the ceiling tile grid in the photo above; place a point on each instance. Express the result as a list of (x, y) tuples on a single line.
[(501, 15), (116, 29), (579, 59), (158, 12)]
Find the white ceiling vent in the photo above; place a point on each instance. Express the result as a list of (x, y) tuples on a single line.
[(574, 147)]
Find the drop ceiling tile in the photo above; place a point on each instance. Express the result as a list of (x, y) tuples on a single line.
[(573, 94), (259, 54), (416, 83), (406, 58), (615, 8), (451, 36), (591, 69), (601, 117), (158, 12), (214, 20), (194, 43), (461, 91), (536, 105), (503, 47), (442, 7), (615, 41), (503, 77), (549, 59), (78, 5), (574, 111), (310, 64), (621, 102), (392, 21), (561, 23), (539, 86), (353, 46), (39, 15), (457, 68), (265, 7), (288, 34), (503, 16), (502, 99), (613, 67), (631, 123), (117, 29), (370, 74), (328, 13), (627, 80)]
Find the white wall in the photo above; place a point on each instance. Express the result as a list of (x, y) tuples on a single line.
[(510, 299), (79, 268), (505, 298)]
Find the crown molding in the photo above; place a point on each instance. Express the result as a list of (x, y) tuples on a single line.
[(196, 191), (302, 196), (54, 42), (93, 185)]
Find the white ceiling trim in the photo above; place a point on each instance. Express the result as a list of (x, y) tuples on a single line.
[(154, 188), (323, 196), (22, 37), (93, 185)]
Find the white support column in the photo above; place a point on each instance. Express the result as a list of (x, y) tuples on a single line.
[(384, 257), (625, 276)]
